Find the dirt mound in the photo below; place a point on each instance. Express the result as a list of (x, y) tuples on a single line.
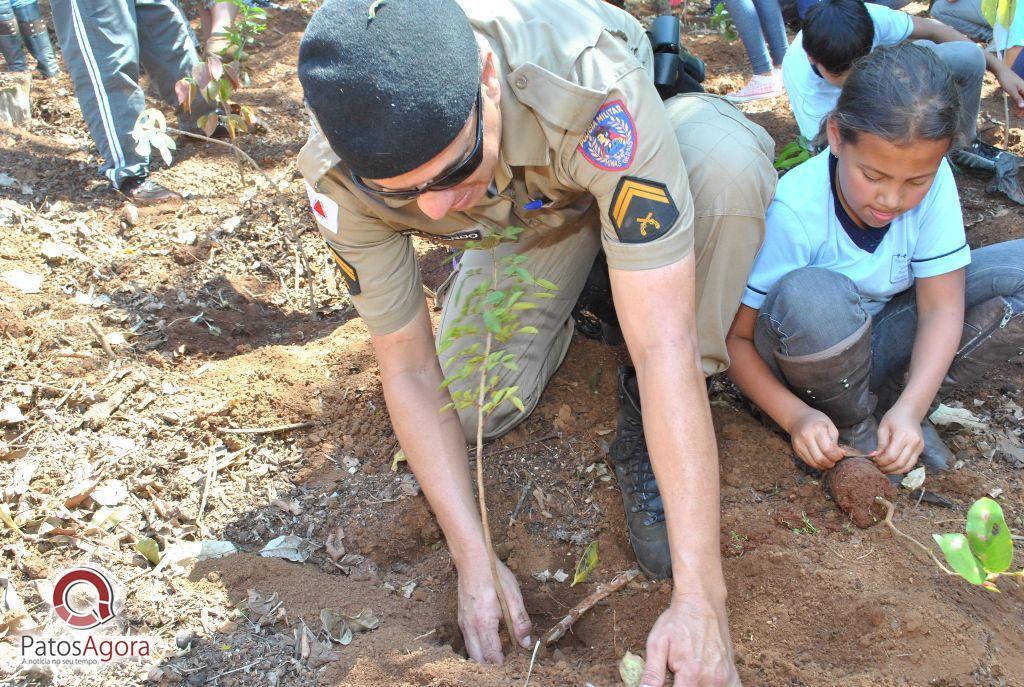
[(855, 483), (232, 410)]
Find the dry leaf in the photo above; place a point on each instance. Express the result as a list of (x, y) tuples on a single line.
[(289, 547), (79, 493), (14, 618), (26, 282), (335, 544), (631, 669), (292, 507), (11, 414), (112, 492), (945, 415), (258, 603)]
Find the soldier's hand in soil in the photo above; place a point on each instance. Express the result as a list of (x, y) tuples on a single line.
[(480, 612), (691, 638), (900, 441), (816, 439)]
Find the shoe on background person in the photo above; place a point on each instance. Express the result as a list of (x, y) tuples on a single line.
[(146, 193), (760, 87), (22, 25)]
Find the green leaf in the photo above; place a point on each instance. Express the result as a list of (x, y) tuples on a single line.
[(524, 305), (957, 551), (528, 330), (586, 564), (545, 284), (517, 402), (989, 536), (491, 322), (149, 548)]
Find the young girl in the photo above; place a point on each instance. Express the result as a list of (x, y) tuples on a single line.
[(865, 278)]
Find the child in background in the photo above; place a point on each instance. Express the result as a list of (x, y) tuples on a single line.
[(837, 32), (865, 275), (758, 22), (22, 24)]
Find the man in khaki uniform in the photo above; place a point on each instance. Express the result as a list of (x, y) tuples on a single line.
[(452, 119)]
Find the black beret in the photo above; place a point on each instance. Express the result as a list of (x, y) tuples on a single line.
[(391, 83)]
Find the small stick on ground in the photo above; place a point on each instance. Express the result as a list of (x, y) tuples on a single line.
[(602, 591), (102, 337), (889, 509), (553, 435), (264, 430)]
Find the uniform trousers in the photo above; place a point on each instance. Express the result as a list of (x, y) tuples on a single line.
[(728, 161)]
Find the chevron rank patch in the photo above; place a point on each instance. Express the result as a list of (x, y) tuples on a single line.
[(641, 210), (348, 272)]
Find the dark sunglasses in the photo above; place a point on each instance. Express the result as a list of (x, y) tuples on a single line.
[(453, 177)]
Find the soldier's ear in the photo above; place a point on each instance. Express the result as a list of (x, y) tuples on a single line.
[(489, 76)]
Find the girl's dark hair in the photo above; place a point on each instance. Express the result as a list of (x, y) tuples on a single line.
[(900, 93)]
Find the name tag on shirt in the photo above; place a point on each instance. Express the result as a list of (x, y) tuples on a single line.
[(899, 270)]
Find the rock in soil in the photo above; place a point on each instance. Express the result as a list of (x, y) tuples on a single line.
[(854, 483)]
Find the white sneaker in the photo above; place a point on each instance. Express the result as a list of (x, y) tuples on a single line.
[(758, 88)]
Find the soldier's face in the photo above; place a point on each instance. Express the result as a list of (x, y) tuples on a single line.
[(437, 204)]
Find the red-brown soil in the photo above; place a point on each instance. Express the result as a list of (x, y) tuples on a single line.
[(855, 483), (218, 334)]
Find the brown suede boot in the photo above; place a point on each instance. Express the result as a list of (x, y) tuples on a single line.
[(993, 334)]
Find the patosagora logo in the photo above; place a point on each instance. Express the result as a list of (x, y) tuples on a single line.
[(97, 612), (84, 600)]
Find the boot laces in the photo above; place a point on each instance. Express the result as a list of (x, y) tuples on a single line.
[(637, 462)]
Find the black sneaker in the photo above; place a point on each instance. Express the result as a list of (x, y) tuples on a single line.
[(149, 194), (645, 513), (978, 155)]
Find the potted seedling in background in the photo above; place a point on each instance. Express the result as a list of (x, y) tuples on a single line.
[(218, 77), (488, 320)]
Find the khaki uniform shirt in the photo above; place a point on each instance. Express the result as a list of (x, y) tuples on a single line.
[(581, 123)]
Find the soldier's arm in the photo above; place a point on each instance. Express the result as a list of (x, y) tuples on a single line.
[(379, 266), (647, 222)]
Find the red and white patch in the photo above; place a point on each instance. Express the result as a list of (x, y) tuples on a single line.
[(325, 210)]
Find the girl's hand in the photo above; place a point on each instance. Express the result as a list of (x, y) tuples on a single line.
[(816, 439), (900, 441)]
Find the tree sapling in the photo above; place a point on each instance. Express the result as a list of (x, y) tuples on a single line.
[(491, 313)]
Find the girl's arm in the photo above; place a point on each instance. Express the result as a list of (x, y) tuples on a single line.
[(940, 320), (815, 438)]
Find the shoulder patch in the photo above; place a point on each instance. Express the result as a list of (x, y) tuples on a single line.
[(348, 272), (641, 210), (610, 142), (325, 210)]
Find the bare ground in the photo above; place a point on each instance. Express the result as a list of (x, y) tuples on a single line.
[(211, 304)]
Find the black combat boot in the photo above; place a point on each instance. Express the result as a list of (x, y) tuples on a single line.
[(11, 46), (594, 311), (835, 381), (645, 514)]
